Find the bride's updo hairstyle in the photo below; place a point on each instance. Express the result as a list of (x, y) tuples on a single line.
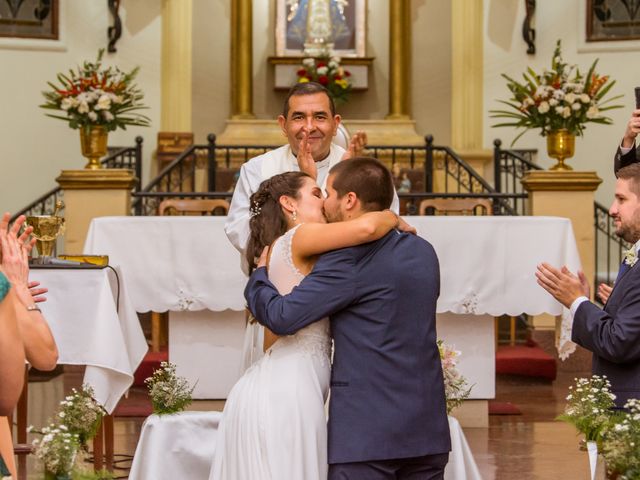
[(268, 221)]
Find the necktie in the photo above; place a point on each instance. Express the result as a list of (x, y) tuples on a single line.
[(624, 268)]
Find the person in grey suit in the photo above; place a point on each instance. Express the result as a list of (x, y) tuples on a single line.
[(387, 412), (612, 333), (626, 153)]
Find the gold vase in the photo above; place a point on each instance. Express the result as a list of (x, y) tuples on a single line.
[(560, 145), (93, 141)]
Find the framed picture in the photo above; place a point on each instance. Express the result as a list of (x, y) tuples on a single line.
[(613, 20), (37, 19), (348, 24)]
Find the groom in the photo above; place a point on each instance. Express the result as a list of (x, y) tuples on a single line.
[(387, 414)]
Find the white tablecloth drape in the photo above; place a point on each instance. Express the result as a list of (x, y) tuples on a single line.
[(182, 446), (89, 329), (176, 446), (487, 264)]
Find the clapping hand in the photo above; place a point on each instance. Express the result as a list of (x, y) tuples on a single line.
[(15, 250), (306, 163), (633, 128), (357, 145), (563, 285), (604, 291)]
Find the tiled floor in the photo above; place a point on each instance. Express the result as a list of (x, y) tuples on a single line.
[(522, 447)]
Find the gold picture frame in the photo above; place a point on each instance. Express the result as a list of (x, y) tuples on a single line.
[(290, 31)]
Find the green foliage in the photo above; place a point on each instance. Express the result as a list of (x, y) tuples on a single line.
[(560, 98)]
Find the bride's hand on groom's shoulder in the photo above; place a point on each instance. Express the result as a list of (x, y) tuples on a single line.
[(405, 227)]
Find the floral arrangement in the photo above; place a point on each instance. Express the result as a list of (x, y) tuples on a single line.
[(57, 450), (81, 414), (93, 95), (560, 98), (76, 422), (456, 387), (589, 406), (169, 392), (620, 444), (327, 72)]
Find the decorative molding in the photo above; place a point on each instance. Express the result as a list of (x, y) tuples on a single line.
[(528, 32), (545, 180), (104, 179), (114, 32)]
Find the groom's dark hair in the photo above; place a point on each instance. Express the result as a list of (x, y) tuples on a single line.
[(368, 178)]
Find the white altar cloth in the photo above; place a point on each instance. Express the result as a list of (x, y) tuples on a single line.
[(182, 446), (487, 264), (90, 330), (487, 267)]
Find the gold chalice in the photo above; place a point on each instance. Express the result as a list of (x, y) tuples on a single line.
[(46, 229)]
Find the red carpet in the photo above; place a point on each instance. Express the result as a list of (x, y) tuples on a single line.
[(503, 408), (528, 360), (150, 362), (136, 404)]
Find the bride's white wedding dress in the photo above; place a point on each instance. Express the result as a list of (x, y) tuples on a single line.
[(274, 424)]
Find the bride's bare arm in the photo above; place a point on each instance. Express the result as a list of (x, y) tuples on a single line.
[(316, 238)]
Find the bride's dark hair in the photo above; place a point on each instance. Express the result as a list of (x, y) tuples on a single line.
[(267, 221)]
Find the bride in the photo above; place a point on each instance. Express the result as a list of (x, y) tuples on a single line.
[(274, 425)]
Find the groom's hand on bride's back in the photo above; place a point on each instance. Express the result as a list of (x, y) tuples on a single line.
[(264, 256)]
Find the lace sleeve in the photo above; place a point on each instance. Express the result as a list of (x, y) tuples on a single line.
[(288, 253)]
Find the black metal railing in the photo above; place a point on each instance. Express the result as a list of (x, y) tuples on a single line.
[(208, 171), (509, 168), (117, 157), (609, 248), (201, 171)]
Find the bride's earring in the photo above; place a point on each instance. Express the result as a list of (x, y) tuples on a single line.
[(294, 215)]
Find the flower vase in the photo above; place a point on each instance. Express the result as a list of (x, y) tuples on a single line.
[(93, 140), (596, 462), (560, 145)]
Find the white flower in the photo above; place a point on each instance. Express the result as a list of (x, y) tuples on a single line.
[(66, 104), (584, 98), (93, 116), (576, 106), (553, 102), (558, 94), (83, 107), (570, 98), (322, 70), (108, 116), (592, 112), (104, 103), (543, 107), (566, 112), (630, 257), (308, 62)]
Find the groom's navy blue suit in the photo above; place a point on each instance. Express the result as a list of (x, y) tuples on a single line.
[(387, 392)]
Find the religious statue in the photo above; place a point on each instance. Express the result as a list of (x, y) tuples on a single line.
[(317, 24)]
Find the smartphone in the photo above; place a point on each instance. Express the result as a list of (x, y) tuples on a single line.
[(637, 91)]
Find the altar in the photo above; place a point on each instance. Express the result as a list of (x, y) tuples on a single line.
[(187, 266)]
